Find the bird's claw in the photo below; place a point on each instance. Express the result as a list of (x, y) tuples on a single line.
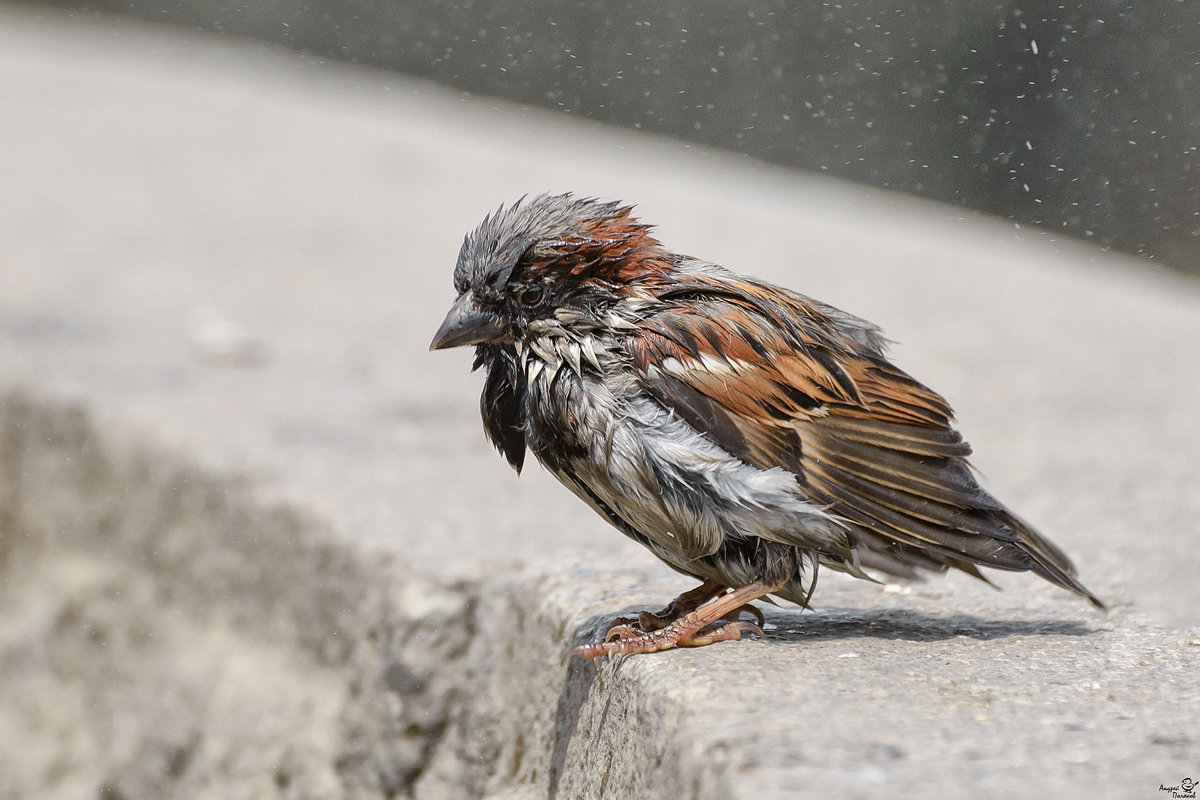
[(753, 611), (729, 632), (649, 621), (688, 631), (698, 617), (626, 631)]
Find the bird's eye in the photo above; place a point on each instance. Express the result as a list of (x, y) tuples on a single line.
[(531, 295)]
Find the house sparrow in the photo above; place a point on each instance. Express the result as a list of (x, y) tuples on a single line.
[(743, 433)]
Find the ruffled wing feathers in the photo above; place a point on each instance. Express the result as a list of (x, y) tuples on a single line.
[(781, 381)]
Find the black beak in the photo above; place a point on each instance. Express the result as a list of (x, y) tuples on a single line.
[(467, 323)]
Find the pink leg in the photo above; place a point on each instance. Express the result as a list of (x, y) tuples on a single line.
[(685, 603), (686, 631)]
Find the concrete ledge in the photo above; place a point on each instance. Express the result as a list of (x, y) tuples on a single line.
[(169, 633), (253, 544)]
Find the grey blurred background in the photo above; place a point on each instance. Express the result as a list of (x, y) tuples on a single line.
[(1080, 118)]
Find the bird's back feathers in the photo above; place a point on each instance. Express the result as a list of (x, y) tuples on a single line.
[(775, 381)]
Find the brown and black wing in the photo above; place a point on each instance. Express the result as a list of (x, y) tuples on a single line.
[(779, 381)]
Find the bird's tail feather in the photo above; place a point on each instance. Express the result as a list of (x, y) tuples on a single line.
[(1048, 560)]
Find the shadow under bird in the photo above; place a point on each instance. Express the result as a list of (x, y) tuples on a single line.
[(743, 433)]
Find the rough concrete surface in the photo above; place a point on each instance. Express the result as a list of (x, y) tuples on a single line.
[(253, 543)]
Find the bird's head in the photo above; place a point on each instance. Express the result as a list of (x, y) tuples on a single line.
[(553, 258)]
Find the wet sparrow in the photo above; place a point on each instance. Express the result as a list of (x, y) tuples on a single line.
[(742, 433)]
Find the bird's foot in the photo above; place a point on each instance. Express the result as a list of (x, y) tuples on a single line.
[(685, 603), (650, 621), (683, 632), (694, 629), (729, 632)]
